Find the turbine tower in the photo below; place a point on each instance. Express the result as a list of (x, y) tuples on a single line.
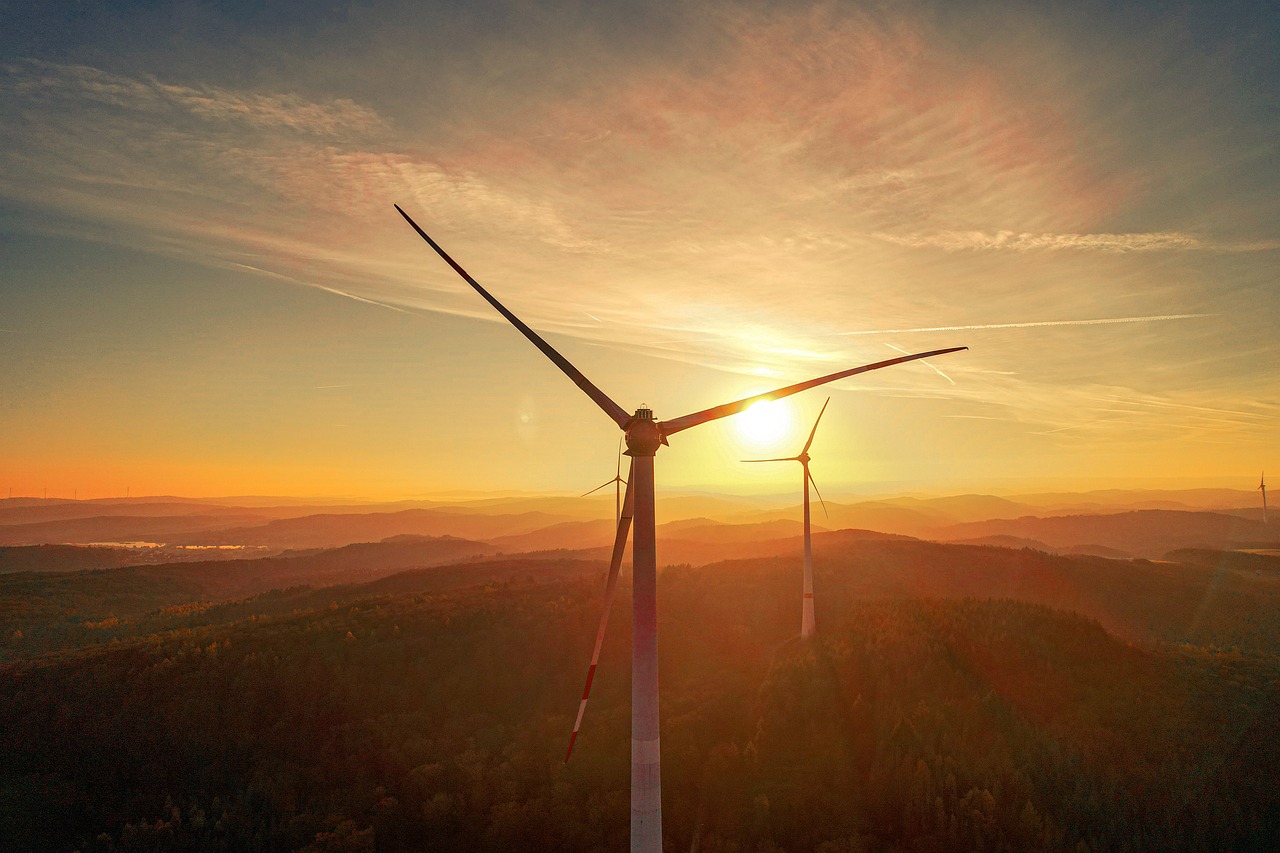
[(1263, 486), (617, 482), (644, 435), (807, 625)]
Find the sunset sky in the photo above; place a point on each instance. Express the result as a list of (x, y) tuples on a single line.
[(205, 289)]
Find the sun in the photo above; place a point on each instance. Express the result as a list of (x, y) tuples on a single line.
[(764, 423)]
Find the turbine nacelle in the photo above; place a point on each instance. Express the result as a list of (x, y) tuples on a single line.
[(644, 434)]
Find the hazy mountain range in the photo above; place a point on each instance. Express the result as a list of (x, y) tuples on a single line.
[(1111, 523)]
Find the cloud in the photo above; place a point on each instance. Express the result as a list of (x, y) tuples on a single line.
[(1105, 321), (45, 82), (955, 241), (1091, 412), (803, 174), (876, 116)]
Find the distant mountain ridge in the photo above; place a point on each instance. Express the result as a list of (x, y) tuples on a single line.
[(63, 558), (525, 523), (114, 528), (1147, 533)]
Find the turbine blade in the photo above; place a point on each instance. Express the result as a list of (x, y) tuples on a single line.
[(814, 483), (783, 459), (814, 431), (611, 586), (685, 421), (596, 489), (610, 408)]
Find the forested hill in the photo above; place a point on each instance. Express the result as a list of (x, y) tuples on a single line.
[(1208, 598), (424, 713), (43, 612)]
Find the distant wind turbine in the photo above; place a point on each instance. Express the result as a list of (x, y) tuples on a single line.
[(617, 482), (1263, 486), (644, 435), (807, 625)]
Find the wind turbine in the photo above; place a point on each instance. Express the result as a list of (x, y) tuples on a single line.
[(644, 435), (617, 482), (1263, 486), (807, 625)]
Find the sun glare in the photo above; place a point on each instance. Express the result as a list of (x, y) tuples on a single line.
[(764, 422)]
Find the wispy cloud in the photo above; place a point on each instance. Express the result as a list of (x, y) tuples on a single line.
[(46, 81), (1103, 321), (1261, 412), (955, 241)]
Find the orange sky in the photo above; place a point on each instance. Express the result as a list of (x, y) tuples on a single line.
[(207, 291)]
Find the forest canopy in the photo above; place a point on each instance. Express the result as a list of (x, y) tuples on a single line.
[(425, 711)]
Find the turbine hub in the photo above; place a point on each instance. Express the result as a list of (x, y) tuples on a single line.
[(644, 436)]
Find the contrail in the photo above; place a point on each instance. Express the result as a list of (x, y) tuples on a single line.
[(1104, 321), (1100, 322), (1168, 405), (925, 363), (332, 290)]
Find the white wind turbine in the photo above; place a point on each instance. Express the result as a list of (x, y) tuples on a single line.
[(807, 625), (617, 482), (644, 435), (1263, 486)]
